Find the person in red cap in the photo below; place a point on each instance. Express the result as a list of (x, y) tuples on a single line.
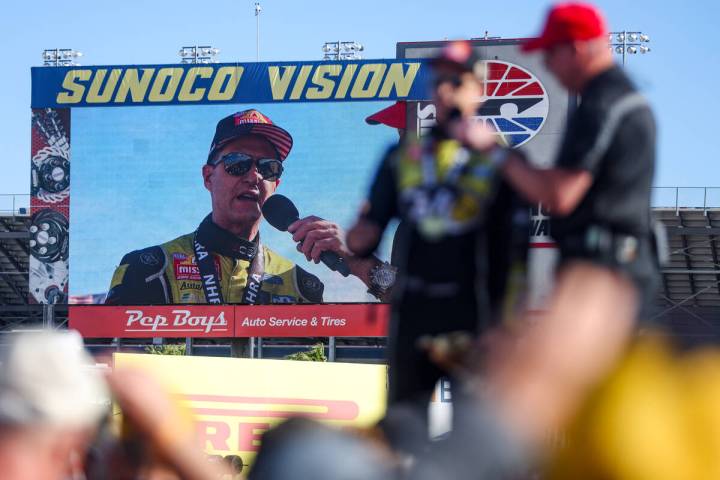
[(598, 195), (223, 261)]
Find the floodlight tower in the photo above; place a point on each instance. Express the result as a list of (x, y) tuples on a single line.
[(258, 9), (60, 57), (342, 50), (628, 43), (198, 54)]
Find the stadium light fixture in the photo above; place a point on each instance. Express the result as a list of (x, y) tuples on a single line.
[(628, 43), (258, 9), (342, 50), (198, 54), (60, 57)]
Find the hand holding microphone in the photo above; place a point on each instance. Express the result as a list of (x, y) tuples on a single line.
[(320, 240)]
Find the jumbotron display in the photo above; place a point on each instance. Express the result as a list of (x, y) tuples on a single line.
[(171, 165)]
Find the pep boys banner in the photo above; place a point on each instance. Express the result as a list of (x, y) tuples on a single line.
[(354, 320), (138, 181)]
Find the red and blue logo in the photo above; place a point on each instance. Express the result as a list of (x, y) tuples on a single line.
[(515, 102)]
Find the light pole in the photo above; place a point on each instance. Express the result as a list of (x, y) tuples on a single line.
[(60, 57), (258, 9), (198, 54), (342, 50), (625, 43)]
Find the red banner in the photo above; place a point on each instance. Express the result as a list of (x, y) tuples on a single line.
[(95, 321), (323, 320)]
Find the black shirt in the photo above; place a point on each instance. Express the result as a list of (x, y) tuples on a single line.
[(612, 136), (479, 260)]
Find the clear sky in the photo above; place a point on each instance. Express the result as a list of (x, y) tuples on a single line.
[(679, 76)]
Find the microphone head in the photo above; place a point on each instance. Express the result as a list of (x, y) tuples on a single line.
[(280, 211)]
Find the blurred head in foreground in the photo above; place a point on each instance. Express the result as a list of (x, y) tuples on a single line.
[(458, 81), (51, 399), (302, 449)]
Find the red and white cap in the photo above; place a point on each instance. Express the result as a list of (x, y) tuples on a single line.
[(250, 122)]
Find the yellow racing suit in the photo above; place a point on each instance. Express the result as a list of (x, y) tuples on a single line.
[(169, 273)]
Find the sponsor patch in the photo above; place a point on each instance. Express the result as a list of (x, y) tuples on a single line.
[(185, 285), (189, 297), (187, 269)]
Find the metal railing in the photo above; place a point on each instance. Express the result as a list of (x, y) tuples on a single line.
[(15, 204), (704, 198)]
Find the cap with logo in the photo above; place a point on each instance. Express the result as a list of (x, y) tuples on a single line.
[(250, 122), (568, 22), (459, 56)]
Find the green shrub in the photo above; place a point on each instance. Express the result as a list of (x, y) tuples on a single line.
[(315, 354), (177, 349)]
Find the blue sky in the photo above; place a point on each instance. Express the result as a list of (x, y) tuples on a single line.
[(678, 76)]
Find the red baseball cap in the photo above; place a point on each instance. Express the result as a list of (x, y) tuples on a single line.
[(568, 22), (250, 122), (393, 116)]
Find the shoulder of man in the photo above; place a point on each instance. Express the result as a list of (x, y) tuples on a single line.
[(132, 281), (307, 286)]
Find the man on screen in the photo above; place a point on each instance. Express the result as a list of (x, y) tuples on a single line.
[(223, 261)]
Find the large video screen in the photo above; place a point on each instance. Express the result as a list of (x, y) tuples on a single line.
[(143, 194)]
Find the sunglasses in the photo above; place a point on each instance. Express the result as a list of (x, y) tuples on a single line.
[(238, 164)]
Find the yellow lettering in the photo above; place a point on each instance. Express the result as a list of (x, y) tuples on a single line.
[(187, 94), (373, 70), (401, 81), (319, 79), (161, 92), (94, 95), (345, 80), (232, 75), (69, 83), (136, 87), (300, 82), (280, 83)]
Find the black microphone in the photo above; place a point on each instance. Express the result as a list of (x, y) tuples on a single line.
[(280, 212)]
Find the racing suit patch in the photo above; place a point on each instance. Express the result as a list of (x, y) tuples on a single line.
[(187, 269)]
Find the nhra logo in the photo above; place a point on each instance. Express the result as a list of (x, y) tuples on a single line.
[(515, 102)]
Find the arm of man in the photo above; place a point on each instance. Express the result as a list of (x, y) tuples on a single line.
[(377, 210), (561, 190)]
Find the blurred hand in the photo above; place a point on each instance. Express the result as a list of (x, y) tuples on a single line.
[(474, 134), (147, 406)]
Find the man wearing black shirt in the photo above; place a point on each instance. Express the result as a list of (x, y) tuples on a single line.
[(598, 194)]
